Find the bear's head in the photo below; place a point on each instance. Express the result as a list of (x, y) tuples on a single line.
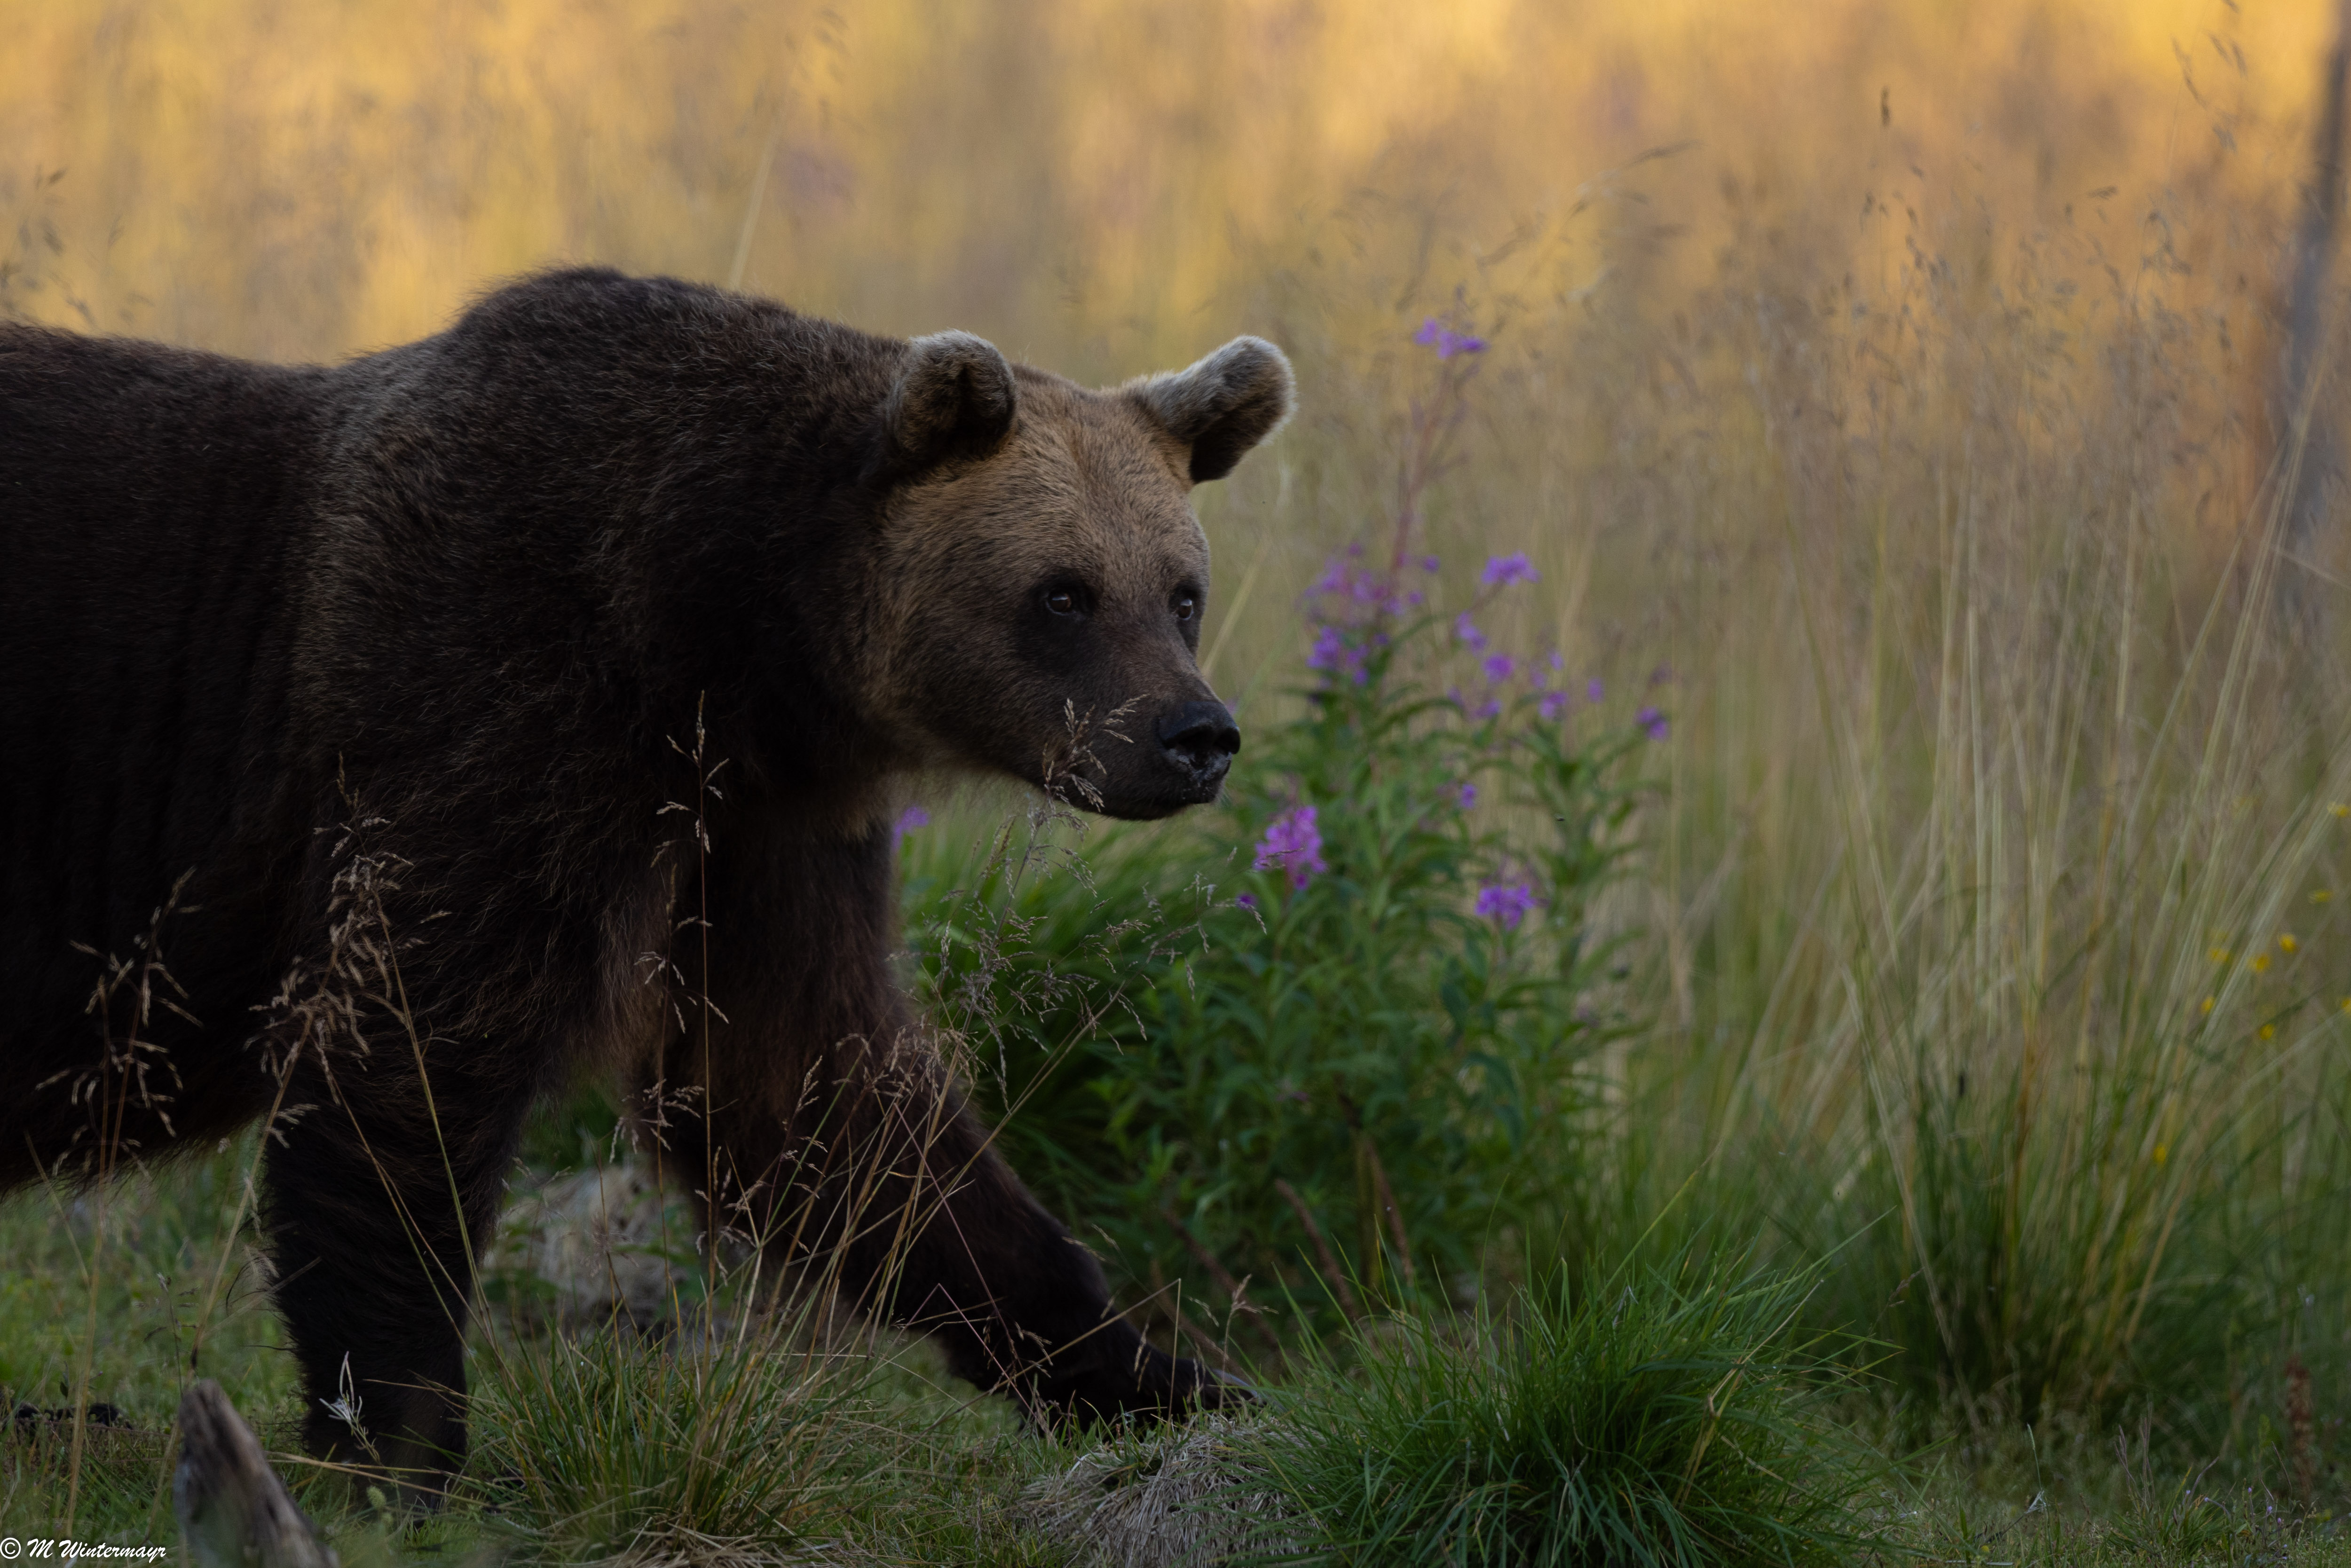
[(1046, 578)]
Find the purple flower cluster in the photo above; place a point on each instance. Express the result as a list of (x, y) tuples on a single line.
[(1500, 571), (1335, 650), (1506, 903), (1504, 570), (1489, 708), (1435, 334), (1353, 607), (910, 818), (1293, 843), (1349, 605), (1355, 589)]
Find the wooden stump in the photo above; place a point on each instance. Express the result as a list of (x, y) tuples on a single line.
[(234, 1510)]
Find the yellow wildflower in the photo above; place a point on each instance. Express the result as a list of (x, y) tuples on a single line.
[(2321, 897), (2340, 809), (2260, 963), (2286, 943), (2162, 1152), (2346, 1004), (2269, 1031), (2219, 955)]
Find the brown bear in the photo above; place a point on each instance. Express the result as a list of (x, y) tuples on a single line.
[(348, 714)]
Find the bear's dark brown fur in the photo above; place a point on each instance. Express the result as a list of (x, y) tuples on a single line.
[(338, 700)]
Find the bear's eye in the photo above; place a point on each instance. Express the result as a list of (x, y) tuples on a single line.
[(1186, 607), (1062, 601)]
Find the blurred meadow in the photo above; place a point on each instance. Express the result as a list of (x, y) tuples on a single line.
[(1893, 401)]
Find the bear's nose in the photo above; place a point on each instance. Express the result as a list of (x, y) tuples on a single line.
[(1201, 737)]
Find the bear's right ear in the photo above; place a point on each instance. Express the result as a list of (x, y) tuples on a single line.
[(953, 398)]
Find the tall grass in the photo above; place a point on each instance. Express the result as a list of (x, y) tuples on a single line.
[(2072, 1067)]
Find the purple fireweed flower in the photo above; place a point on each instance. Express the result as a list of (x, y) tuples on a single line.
[(1505, 902), (1466, 630), (1292, 843), (1653, 721), (910, 818), (1553, 704), (1429, 563), (1468, 796), (1504, 570), (1593, 691), (1245, 900), (1500, 667), (1338, 650), (1432, 334), (1487, 710), (1416, 599)]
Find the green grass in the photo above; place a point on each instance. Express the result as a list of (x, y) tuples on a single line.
[(1669, 1416), (737, 1446), (598, 1444), (1657, 1419)]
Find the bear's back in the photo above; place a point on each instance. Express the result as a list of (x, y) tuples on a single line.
[(149, 502), (221, 581)]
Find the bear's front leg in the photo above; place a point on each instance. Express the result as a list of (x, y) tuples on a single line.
[(381, 1195), (827, 1130), (934, 1232)]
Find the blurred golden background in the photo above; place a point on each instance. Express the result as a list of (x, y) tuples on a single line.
[(1110, 182), (1107, 189)]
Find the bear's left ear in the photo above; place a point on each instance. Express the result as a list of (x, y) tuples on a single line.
[(953, 398), (1224, 405)]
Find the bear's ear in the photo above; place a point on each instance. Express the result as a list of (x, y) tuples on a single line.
[(1224, 405), (953, 398)]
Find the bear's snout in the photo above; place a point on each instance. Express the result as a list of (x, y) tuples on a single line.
[(1201, 738)]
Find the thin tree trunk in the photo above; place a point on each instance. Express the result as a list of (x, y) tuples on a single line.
[(2313, 459)]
